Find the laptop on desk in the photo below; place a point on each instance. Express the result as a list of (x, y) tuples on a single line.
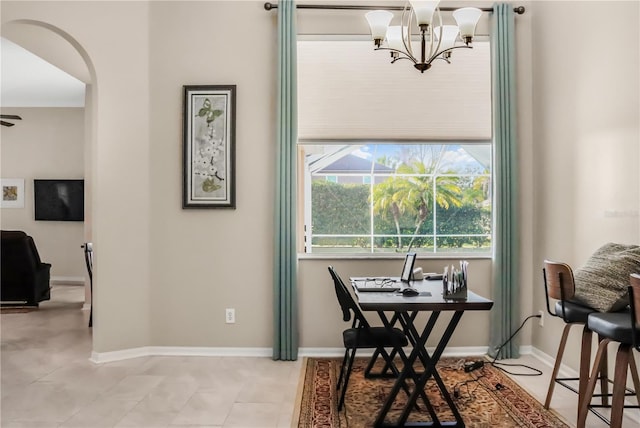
[(387, 284)]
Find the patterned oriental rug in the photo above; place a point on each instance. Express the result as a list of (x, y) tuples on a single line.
[(486, 398)]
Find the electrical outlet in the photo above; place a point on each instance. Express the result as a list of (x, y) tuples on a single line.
[(541, 319), (230, 316)]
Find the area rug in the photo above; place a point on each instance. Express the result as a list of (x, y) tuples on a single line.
[(485, 398)]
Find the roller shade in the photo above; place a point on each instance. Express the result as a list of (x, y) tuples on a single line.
[(348, 91)]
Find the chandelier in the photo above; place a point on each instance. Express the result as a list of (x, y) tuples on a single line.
[(436, 42)]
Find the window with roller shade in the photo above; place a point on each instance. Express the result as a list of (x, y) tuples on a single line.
[(392, 159)]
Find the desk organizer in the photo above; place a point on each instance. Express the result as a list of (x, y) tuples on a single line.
[(454, 282)]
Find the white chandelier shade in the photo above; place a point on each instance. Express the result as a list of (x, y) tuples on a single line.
[(424, 11), (467, 19), (436, 42), (379, 21)]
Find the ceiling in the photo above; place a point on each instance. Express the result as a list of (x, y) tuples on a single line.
[(27, 80)]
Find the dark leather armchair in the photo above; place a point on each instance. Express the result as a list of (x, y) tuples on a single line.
[(24, 278)]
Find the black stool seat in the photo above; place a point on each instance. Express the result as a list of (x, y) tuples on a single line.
[(574, 312), (613, 325), (373, 337)]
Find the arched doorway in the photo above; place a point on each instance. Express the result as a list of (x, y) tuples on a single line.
[(60, 49)]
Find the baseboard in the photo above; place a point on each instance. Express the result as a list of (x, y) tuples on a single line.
[(563, 371), (464, 351), (67, 280), (178, 351), (185, 351)]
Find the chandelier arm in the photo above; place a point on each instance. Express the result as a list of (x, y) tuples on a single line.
[(439, 55), (454, 47), (401, 57), (405, 55), (407, 42), (432, 52)]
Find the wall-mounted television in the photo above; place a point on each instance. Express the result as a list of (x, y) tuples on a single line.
[(59, 200)]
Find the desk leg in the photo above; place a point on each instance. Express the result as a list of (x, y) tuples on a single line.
[(412, 336), (431, 371), (429, 362)]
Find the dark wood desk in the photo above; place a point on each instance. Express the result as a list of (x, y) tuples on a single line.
[(405, 311)]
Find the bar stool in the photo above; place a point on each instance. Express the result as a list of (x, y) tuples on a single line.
[(560, 285), (621, 327)]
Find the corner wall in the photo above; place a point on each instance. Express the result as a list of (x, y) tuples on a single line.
[(586, 130)]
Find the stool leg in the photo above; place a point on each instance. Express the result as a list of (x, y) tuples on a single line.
[(583, 408), (634, 376), (604, 377), (585, 361), (556, 367), (619, 385)]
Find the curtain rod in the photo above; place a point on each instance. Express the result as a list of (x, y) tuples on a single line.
[(269, 6)]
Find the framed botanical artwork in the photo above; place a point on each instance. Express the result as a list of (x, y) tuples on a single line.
[(209, 146), (12, 193)]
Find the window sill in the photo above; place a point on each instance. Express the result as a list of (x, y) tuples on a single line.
[(376, 256)]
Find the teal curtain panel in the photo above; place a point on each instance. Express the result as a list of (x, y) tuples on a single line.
[(506, 310), (285, 329)]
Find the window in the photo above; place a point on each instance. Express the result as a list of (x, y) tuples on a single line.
[(391, 159), (428, 197)]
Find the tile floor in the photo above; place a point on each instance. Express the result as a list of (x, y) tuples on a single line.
[(48, 381)]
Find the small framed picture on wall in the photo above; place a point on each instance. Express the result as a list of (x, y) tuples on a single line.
[(13, 193)]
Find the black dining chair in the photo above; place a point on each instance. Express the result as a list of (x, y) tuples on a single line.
[(623, 328), (361, 335)]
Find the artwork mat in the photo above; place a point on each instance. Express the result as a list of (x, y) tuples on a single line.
[(209, 147), (18, 184)]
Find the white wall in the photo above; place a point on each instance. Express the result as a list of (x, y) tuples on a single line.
[(165, 275), (586, 131), (206, 260), (46, 143)]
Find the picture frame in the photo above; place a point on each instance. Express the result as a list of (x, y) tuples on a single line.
[(209, 115), (12, 193), (407, 268)]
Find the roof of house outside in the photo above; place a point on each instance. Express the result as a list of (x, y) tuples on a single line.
[(351, 164)]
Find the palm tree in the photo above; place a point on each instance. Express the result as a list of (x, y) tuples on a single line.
[(414, 194), (388, 198)]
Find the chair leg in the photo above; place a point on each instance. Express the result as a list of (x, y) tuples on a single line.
[(388, 364), (556, 367), (372, 361), (344, 363), (619, 385), (346, 379), (583, 409)]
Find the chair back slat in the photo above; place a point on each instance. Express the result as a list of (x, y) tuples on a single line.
[(347, 304), (559, 280)]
